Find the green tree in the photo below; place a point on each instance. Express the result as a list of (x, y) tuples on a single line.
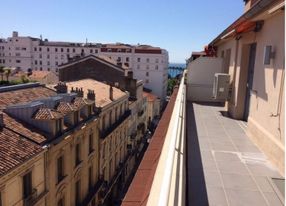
[(7, 73), (2, 72)]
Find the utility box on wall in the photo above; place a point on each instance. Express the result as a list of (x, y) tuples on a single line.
[(221, 86)]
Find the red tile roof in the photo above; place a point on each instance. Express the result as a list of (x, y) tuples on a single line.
[(150, 97), (65, 108), (15, 150), (24, 129), (24, 95), (140, 187), (47, 114)]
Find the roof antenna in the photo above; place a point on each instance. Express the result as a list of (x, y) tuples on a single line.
[(86, 40)]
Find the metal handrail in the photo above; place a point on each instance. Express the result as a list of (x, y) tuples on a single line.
[(160, 190)]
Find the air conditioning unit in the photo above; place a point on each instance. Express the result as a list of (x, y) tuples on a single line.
[(221, 86)]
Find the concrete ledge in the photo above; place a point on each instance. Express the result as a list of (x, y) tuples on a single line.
[(268, 144)]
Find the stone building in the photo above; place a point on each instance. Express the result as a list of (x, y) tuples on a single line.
[(75, 140)]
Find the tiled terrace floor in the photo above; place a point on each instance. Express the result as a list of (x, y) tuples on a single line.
[(224, 166)]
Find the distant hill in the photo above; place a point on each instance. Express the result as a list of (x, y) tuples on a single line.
[(183, 65)]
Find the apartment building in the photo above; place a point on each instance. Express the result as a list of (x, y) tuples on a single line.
[(103, 69), (77, 143), (22, 166), (148, 63)]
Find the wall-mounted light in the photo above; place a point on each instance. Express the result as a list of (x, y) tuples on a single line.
[(268, 54)]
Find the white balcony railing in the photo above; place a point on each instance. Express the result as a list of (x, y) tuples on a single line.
[(168, 187)]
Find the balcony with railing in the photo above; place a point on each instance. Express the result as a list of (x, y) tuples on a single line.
[(198, 155)]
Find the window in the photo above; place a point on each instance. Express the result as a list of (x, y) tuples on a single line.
[(60, 168), (40, 49), (56, 49), (61, 202), (41, 68), (35, 49), (156, 67), (147, 74), (40, 62), (68, 50), (90, 145), (40, 56), (48, 63), (138, 59), (77, 192), (91, 51), (147, 81), (90, 178), (48, 49), (18, 54), (157, 60), (49, 69), (73, 50), (18, 61), (48, 56), (147, 60), (27, 185), (77, 154), (95, 51), (62, 50), (147, 67), (138, 66), (127, 59), (57, 63)]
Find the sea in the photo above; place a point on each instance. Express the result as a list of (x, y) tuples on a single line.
[(173, 73)]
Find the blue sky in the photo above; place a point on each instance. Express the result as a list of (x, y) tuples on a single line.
[(180, 26)]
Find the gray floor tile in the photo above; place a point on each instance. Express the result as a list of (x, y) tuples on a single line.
[(273, 199), (226, 156), (216, 196), (263, 184), (232, 168), (222, 146), (235, 181), (245, 198), (262, 170), (212, 179)]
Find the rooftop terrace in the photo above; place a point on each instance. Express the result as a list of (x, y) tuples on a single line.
[(205, 158)]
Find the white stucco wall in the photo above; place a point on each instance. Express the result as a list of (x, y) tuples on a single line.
[(200, 77)]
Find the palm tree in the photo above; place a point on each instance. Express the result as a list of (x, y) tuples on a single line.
[(2, 73), (7, 73)]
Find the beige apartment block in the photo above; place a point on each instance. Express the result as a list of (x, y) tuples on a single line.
[(253, 51), (112, 137), (153, 106)]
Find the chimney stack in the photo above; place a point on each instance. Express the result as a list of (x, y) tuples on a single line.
[(130, 74), (61, 87), (91, 95), (79, 91), (111, 93)]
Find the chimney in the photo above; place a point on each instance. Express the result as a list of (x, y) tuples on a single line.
[(111, 93), (61, 87), (130, 74), (91, 95), (15, 34), (79, 92), (1, 120)]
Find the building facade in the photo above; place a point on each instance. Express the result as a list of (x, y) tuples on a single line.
[(252, 51), (148, 63), (82, 141)]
